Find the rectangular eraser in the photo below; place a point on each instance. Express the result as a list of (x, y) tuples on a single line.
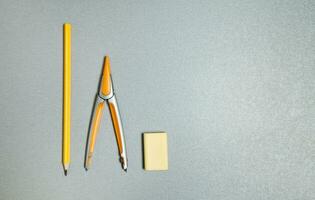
[(155, 151)]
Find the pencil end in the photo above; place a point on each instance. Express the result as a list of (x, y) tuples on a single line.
[(65, 168), (88, 162)]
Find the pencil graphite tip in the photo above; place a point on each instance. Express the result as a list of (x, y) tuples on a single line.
[(65, 168), (87, 166)]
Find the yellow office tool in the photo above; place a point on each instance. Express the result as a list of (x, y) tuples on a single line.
[(155, 151), (66, 96), (106, 93)]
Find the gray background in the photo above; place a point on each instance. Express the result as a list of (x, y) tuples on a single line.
[(233, 83)]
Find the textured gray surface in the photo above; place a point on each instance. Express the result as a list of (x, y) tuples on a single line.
[(232, 83)]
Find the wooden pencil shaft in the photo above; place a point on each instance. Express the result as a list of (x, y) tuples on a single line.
[(66, 94)]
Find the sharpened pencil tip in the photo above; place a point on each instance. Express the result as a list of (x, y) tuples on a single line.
[(87, 167), (65, 168), (125, 170)]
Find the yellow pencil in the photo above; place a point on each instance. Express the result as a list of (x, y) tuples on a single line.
[(66, 96)]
